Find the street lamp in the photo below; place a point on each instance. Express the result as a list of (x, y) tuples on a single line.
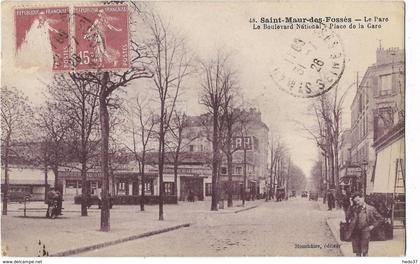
[(362, 166)]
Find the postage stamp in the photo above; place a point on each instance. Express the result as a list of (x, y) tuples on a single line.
[(312, 65), (42, 38), (101, 37)]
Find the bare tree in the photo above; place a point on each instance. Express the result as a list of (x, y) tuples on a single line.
[(171, 65), (142, 123), (55, 125), (79, 98), (327, 110), (216, 84), (15, 114), (229, 128), (244, 120), (278, 154), (178, 142)]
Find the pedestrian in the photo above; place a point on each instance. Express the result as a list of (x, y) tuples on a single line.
[(330, 200), (59, 200), (346, 201), (363, 219), (52, 196)]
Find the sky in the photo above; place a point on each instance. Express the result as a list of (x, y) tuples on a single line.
[(211, 26)]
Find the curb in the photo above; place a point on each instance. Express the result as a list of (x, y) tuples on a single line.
[(337, 239), (118, 241), (245, 209)]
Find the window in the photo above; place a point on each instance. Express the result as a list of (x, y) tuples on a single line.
[(238, 170), (385, 84), (247, 143), (73, 184), (208, 189), (168, 188), (148, 187), (255, 143), (93, 187), (238, 143), (384, 121), (121, 186), (191, 148), (232, 143), (224, 170)]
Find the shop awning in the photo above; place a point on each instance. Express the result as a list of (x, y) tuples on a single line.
[(386, 167)]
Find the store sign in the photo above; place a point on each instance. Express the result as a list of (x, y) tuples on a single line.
[(354, 171)]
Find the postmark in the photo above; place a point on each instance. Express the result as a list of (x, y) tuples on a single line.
[(101, 37), (312, 65), (42, 38)]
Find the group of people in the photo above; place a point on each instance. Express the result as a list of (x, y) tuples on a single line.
[(54, 196)]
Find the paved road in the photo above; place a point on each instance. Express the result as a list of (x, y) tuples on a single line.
[(293, 228)]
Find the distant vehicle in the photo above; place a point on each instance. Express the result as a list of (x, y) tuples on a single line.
[(304, 194), (313, 196)]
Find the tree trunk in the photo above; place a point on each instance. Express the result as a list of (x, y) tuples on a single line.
[(83, 205), (230, 183), (215, 161), (6, 175), (245, 185), (270, 191), (104, 119), (45, 182), (55, 171), (136, 186), (275, 176), (331, 164), (141, 171), (143, 179), (337, 186), (176, 177), (161, 159)]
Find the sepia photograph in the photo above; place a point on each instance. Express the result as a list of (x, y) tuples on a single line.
[(203, 129)]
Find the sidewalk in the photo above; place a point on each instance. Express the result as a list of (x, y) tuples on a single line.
[(71, 234), (388, 248)]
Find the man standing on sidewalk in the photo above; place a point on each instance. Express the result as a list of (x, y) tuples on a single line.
[(364, 218), (331, 200)]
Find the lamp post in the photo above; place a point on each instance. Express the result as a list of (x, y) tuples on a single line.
[(362, 166)]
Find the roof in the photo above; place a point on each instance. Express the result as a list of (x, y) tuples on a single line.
[(28, 175)]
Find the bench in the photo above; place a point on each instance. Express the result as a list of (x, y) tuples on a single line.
[(36, 209)]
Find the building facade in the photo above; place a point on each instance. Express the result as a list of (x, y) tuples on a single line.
[(376, 107), (194, 166), (250, 145)]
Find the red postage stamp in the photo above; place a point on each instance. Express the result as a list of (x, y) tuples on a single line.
[(42, 38), (101, 37)]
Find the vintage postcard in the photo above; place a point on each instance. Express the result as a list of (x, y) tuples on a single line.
[(200, 128)]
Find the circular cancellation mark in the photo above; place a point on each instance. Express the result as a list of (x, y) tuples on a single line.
[(312, 65)]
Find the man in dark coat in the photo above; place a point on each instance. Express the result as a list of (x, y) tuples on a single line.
[(52, 196), (331, 200), (363, 219)]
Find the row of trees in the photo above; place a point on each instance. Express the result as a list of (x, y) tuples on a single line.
[(284, 174), (79, 122), (327, 110)]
